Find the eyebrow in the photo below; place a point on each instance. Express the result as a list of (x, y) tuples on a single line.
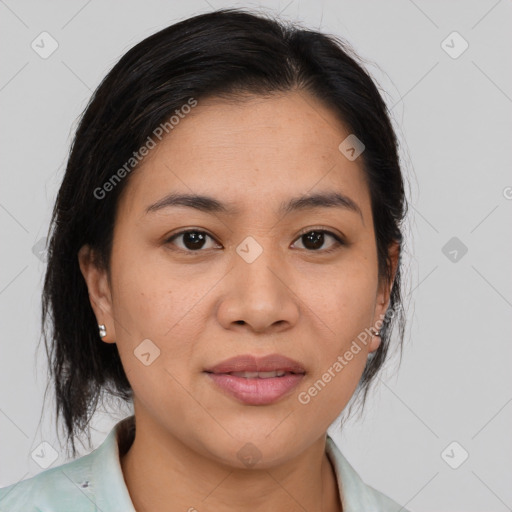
[(209, 204)]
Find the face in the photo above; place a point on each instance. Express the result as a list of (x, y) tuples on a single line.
[(247, 277)]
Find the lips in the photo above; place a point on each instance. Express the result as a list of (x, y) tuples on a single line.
[(252, 364), (257, 381)]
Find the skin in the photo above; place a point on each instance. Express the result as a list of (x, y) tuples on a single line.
[(202, 307)]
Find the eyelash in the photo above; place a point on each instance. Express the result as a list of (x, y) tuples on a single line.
[(339, 241)]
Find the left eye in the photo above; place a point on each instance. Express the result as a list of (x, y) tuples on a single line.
[(315, 238)]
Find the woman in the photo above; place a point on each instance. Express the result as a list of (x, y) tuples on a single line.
[(225, 254)]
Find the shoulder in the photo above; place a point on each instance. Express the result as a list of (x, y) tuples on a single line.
[(58, 489), (355, 494), (87, 484)]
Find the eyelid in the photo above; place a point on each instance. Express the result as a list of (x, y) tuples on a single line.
[(170, 238), (323, 229)]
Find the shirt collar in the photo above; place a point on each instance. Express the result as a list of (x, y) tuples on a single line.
[(110, 488), (355, 495)]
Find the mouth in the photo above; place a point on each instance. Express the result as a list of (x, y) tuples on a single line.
[(257, 381), (260, 366), (259, 375)]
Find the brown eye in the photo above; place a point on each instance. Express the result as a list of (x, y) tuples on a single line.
[(314, 240), (192, 240)]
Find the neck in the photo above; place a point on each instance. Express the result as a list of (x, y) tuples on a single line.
[(163, 474)]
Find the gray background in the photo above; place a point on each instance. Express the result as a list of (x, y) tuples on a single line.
[(453, 116)]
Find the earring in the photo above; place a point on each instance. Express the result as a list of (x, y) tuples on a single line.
[(374, 332), (103, 330)]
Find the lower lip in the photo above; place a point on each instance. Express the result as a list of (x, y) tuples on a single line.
[(256, 391)]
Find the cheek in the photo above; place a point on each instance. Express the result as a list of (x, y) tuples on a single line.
[(153, 301), (341, 351), (342, 298), (343, 306), (151, 294)]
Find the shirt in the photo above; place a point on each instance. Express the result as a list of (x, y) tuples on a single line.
[(95, 482)]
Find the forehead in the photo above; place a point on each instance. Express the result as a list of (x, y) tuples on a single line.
[(261, 149)]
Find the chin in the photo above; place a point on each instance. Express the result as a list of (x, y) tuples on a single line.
[(258, 451)]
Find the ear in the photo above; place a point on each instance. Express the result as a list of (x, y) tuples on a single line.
[(99, 291), (384, 293)]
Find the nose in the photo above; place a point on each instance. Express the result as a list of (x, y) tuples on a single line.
[(259, 295)]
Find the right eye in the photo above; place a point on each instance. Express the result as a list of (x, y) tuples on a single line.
[(193, 240)]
